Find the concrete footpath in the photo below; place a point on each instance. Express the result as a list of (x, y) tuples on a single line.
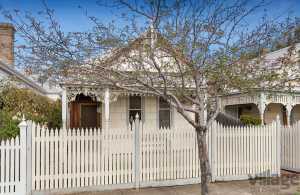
[(287, 184), (220, 188)]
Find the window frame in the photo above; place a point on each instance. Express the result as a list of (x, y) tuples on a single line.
[(142, 117), (170, 109)]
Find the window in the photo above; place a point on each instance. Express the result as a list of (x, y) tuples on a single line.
[(135, 107), (164, 114)]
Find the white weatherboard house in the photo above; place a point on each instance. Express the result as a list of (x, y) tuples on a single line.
[(87, 105)]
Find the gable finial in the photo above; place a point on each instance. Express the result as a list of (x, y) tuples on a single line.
[(152, 34)]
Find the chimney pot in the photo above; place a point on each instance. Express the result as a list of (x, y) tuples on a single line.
[(7, 36)]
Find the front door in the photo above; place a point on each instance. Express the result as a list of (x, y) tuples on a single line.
[(88, 115)]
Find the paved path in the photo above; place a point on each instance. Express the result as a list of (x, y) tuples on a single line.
[(220, 188), (288, 184)]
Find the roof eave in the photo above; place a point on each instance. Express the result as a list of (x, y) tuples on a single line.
[(10, 71)]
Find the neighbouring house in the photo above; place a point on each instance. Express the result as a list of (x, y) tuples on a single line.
[(267, 105), (8, 72)]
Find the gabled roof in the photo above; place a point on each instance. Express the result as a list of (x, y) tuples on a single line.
[(149, 35), (271, 56), (115, 54)]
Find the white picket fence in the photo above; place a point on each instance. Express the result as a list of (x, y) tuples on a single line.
[(12, 167), (76, 158), (290, 147), (245, 152), (81, 158), (95, 159)]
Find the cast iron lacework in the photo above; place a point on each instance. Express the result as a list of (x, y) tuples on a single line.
[(95, 93)]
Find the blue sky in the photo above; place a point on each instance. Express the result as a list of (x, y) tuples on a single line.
[(68, 13), (72, 18)]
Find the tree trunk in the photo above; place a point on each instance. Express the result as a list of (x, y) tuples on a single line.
[(203, 157)]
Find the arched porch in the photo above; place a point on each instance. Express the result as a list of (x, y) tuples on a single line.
[(273, 110), (295, 114), (269, 105), (270, 113), (84, 106)]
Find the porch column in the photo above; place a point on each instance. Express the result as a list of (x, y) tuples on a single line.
[(262, 118), (219, 104), (262, 106), (106, 108), (289, 108), (64, 105)]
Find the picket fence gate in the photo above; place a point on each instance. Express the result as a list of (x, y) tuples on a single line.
[(290, 147), (245, 152), (65, 160)]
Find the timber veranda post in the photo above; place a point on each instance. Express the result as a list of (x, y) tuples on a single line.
[(137, 151)]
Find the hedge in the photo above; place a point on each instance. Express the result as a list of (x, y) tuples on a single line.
[(15, 102), (250, 120)]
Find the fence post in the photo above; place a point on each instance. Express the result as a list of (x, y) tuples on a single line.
[(29, 158), (23, 155), (278, 136), (137, 150), (213, 150)]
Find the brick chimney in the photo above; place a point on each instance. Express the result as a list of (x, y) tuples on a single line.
[(7, 35)]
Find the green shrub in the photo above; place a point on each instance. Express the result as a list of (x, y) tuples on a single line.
[(54, 115), (250, 120), (15, 102), (8, 126)]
